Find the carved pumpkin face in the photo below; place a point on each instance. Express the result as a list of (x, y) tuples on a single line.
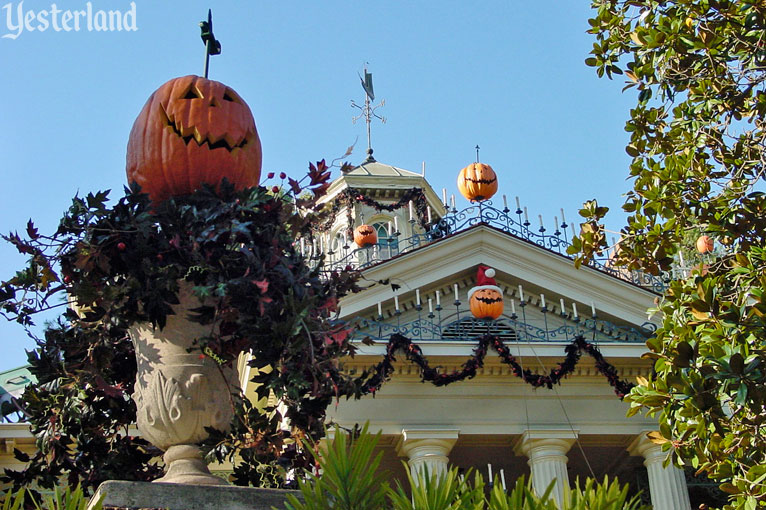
[(486, 304), (193, 131), (477, 182), (704, 244), (365, 235)]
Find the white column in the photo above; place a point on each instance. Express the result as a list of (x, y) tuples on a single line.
[(667, 485), (547, 454), (427, 449)]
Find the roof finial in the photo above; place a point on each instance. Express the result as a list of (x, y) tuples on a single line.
[(477, 153), (212, 45), (368, 111)]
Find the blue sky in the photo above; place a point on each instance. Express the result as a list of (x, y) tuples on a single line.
[(508, 76)]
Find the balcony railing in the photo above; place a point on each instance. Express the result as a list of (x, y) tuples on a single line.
[(513, 223)]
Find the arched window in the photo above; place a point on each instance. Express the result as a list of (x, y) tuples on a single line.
[(337, 249), (388, 244)]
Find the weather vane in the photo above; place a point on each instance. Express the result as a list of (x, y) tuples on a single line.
[(212, 45), (368, 111)]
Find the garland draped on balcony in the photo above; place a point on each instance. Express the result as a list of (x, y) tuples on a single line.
[(347, 198), (375, 377)]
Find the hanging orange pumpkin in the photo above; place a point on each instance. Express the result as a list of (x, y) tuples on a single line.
[(193, 131), (365, 235), (704, 244), (486, 304), (477, 182)]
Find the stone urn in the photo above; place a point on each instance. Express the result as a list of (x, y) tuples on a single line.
[(179, 391)]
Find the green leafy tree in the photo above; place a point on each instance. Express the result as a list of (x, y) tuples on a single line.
[(697, 143)]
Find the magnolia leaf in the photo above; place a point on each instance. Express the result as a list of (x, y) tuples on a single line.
[(656, 437)]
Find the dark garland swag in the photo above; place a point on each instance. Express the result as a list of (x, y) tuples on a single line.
[(375, 377), (347, 198)]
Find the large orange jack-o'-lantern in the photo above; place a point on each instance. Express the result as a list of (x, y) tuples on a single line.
[(193, 131), (365, 235), (477, 182), (486, 298), (486, 304)]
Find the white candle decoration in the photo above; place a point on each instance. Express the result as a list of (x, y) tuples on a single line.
[(313, 246), (345, 239), (428, 213), (380, 310), (574, 310), (562, 216), (489, 468), (438, 298), (444, 196), (563, 308), (542, 300), (593, 309), (540, 216), (321, 244), (396, 223), (430, 306), (513, 306), (526, 216), (417, 296), (390, 232), (518, 204), (452, 200), (502, 479), (456, 296), (521, 294), (412, 212), (396, 302), (505, 202), (556, 222), (574, 234), (303, 247)]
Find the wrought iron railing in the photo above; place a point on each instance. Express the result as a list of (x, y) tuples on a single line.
[(434, 327), (514, 223)]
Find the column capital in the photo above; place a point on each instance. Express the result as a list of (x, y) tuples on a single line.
[(547, 450), (420, 442), (534, 443), (642, 446), (427, 450)]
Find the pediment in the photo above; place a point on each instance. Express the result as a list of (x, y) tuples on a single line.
[(442, 264)]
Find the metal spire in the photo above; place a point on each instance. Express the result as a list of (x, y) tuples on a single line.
[(212, 45), (477, 153), (368, 111)]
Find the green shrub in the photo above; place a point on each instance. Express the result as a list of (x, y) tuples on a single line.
[(349, 479), (68, 499)]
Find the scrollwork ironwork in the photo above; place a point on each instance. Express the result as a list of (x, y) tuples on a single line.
[(511, 222), (467, 329)]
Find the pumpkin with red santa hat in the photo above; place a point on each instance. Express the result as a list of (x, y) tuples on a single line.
[(486, 298)]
